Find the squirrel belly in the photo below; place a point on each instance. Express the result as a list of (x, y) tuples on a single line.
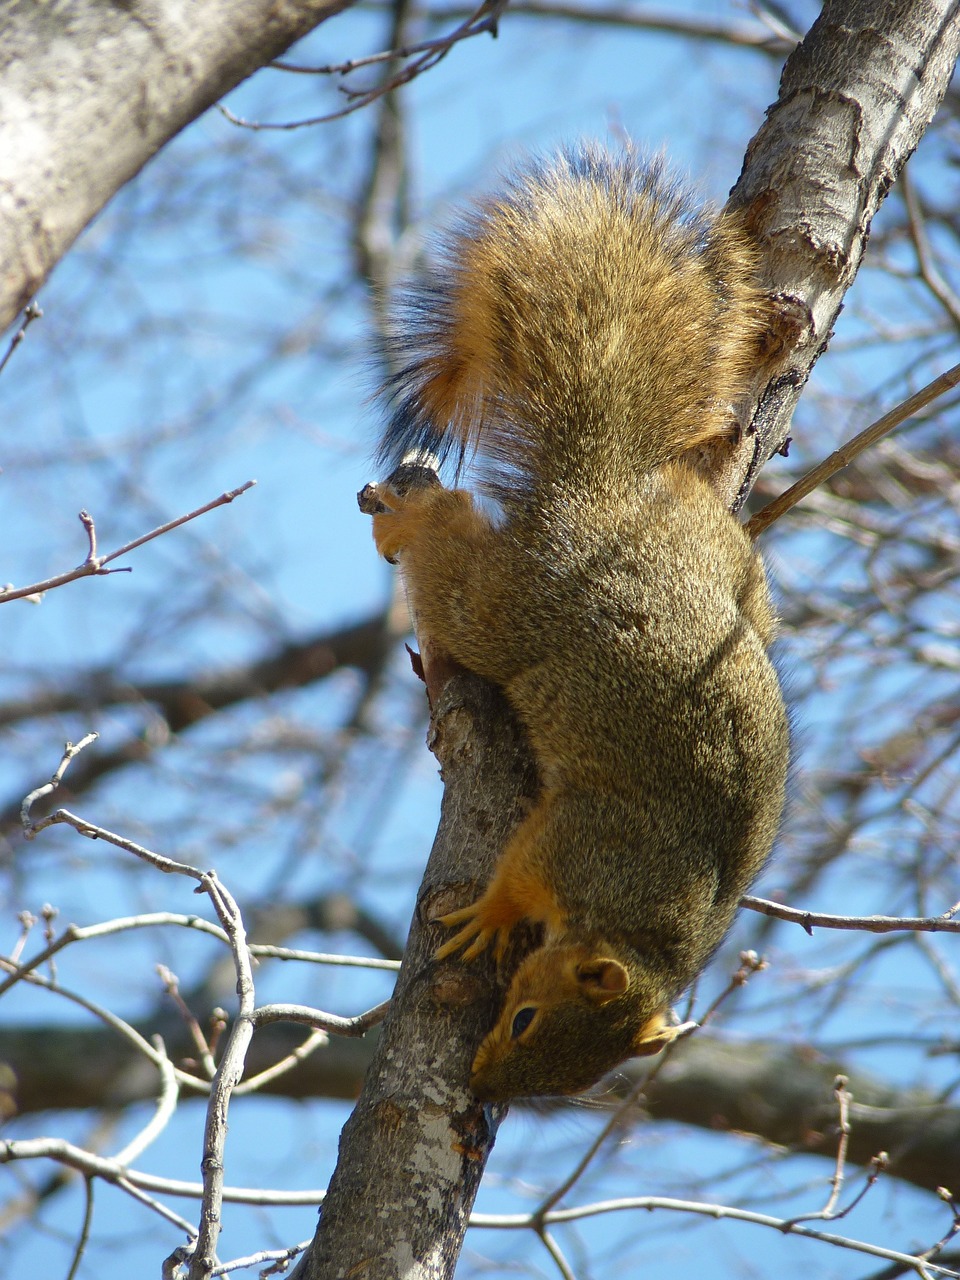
[(585, 331)]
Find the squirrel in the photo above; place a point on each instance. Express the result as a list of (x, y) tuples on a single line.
[(585, 332)]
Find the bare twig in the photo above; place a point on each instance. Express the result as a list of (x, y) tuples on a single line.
[(87, 1162), (164, 1211), (281, 1258), (483, 19), (203, 1255), (556, 1253), (95, 566), (809, 920), (829, 1210), (31, 312), (117, 1024), (83, 933), (846, 453), (172, 987), (158, 860), (228, 1075), (750, 963), (166, 1105), (928, 268), (84, 1229), (70, 752), (255, 1083), (742, 34), (948, 1198), (357, 1026), (511, 1221)]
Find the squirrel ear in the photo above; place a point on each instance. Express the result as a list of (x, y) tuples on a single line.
[(657, 1032), (602, 979)]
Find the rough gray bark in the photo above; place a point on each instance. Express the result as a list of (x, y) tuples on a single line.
[(413, 1152), (90, 91), (855, 99)]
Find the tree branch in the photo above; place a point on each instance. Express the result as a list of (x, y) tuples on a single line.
[(855, 98), (127, 79)]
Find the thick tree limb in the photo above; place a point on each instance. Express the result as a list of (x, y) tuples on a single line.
[(855, 99), (89, 92), (413, 1152)]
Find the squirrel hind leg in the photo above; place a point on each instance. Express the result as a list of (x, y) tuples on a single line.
[(473, 931), (489, 920), (483, 923), (518, 892)]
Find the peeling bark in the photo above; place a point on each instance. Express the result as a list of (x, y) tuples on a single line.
[(855, 98)]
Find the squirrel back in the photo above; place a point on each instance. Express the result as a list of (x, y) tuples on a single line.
[(587, 318), (587, 331)]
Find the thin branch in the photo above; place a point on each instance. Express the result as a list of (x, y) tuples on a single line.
[(84, 1230), (102, 1167), (172, 987), (166, 1105), (353, 1027), (94, 565), (162, 1210), (750, 36), (83, 933), (556, 1253), (228, 1075), (279, 1257), (511, 1221), (385, 55), (829, 1210), (846, 453), (483, 19), (31, 312), (949, 1199), (263, 950), (921, 243), (303, 1051), (809, 920), (123, 1028), (158, 860), (70, 752)]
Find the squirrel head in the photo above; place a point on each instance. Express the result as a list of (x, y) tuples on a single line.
[(573, 1012)]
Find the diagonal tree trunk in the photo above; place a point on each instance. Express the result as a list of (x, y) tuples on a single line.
[(855, 98)]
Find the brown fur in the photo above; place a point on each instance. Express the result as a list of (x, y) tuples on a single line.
[(586, 337)]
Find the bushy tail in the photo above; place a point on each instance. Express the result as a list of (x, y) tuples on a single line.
[(587, 318)]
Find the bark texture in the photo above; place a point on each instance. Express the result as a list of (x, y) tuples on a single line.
[(855, 98), (90, 90), (413, 1152)]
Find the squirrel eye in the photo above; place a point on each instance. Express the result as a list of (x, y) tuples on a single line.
[(521, 1021)]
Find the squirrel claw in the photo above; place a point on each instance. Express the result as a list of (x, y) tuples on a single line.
[(478, 935)]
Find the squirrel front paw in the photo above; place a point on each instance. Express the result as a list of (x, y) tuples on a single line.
[(398, 505)]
